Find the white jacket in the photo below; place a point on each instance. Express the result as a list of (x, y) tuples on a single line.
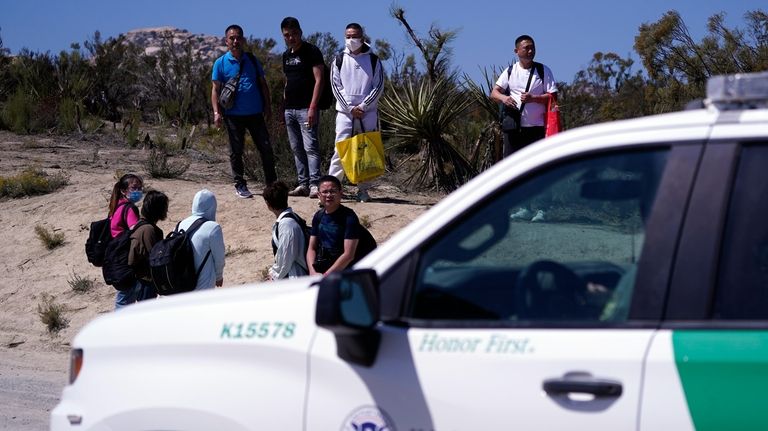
[(355, 83), (208, 237)]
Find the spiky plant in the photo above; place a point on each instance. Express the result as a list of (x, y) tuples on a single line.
[(424, 114), (487, 149)]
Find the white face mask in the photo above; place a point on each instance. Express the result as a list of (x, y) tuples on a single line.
[(354, 44)]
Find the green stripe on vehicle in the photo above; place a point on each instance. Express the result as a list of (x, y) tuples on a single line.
[(724, 376)]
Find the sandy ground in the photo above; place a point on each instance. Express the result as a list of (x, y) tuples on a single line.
[(33, 363)]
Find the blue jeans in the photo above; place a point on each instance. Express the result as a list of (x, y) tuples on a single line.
[(305, 146), (141, 291)]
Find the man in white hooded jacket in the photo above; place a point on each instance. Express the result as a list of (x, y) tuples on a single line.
[(357, 85), (208, 237)]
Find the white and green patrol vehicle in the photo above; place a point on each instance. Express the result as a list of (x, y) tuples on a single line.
[(636, 300)]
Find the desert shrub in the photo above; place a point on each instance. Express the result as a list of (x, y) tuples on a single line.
[(69, 116), (265, 273), (51, 314), (80, 284), (131, 127), (17, 112), (157, 165), (365, 221), (230, 252), (50, 239), (31, 182)]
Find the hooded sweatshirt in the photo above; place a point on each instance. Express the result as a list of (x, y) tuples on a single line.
[(208, 237)]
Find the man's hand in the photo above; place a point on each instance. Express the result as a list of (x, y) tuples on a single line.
[(357, 112), (530, 98), (217, 120), (509, 101), (312, 116)]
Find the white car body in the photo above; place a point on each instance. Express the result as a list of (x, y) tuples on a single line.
[(254, 357)]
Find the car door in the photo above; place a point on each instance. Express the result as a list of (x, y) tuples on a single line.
[(515, 322), (708, 365)]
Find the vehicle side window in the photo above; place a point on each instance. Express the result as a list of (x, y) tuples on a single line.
[(742, 288), (560, 246)]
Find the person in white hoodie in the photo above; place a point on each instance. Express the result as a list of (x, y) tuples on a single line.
[(357, 84), (208, 237)]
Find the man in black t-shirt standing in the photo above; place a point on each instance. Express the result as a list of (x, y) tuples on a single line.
[(303, 69)]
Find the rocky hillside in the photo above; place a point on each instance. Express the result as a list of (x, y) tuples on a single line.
[(152, 40)]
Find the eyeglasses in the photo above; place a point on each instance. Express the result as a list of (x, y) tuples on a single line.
[(328, 192)]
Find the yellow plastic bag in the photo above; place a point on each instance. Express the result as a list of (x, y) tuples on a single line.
[(362, 156)]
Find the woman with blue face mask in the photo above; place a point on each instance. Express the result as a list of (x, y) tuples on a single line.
[(123, 212), (123, 215)]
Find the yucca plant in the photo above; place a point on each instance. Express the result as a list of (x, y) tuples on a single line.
[(423, 114), (487, 149)]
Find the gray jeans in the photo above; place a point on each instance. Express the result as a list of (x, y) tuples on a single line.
[(304, 145)]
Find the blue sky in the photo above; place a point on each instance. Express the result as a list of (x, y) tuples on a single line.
[(567, 33)]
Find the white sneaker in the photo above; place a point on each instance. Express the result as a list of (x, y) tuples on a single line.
[(539, 216), (521, 214), (313, 192)]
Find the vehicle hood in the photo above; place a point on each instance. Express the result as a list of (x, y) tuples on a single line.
[(200, 316)]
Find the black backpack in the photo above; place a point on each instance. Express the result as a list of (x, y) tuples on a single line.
[(304, 228), (100, 236), (326, 97), (365, 245), (115, 269), (172, 261)]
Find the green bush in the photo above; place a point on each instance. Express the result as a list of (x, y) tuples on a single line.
[(17, 113), (68, 119), (31, 182)]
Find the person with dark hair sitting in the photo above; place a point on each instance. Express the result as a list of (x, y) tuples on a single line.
[(154, 209), (288, 241), (335, 231)]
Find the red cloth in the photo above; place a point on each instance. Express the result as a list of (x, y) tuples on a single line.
[(553, 122)]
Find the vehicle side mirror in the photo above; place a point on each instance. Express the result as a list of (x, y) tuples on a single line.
[(348, 305)]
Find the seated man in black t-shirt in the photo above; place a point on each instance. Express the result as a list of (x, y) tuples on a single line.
[(335, 231)]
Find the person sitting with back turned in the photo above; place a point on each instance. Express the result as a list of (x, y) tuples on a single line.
[(288, 242), (208, 237), (154, 209), (335, 231)]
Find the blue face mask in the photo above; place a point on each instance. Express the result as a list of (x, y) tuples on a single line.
[(135, 195)]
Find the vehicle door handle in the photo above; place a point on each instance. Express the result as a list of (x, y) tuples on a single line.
[(596, 387)]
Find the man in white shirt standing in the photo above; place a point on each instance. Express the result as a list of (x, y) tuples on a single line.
[(357, 83), (289, 242), (524, 89)]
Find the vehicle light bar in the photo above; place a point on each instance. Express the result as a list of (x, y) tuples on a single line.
[(738, 91)]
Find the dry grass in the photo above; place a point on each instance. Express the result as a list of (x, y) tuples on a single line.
[(51, 314), (80, 284), (31, 182), (50, 239)]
